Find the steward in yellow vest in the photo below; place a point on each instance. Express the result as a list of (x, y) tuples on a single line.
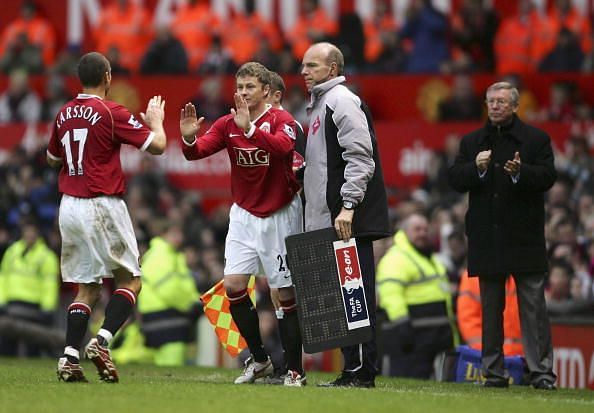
[(29, 286), (413, 291), (169, 298)]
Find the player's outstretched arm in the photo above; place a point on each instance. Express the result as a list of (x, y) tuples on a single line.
[(189, 124), (153, 117)]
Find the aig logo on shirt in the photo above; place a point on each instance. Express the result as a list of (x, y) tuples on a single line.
[(248, 157)]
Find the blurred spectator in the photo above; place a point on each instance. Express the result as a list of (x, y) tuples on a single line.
[(124, 25), (350, 39), (217, 60), (194, 25), (313, 25), (296, 103), (470, 316), (561, 105), (566, 56), (427, 28), (436, 180), (249, 29), (380, 31), (522, 40), (564, 15), (165, 55), (453, 256), (384, 52), (19, 103), (37, 31), (268, 57), (21, 54), (56, 95), (588, 63), (210, 99), (577, 164), (473, 34), (28, 286), (115, 61), (67, 61), (564, 295), (463, 104)]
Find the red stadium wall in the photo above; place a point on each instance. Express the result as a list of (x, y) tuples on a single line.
[(574, 355)]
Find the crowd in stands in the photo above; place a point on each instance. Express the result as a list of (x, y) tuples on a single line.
[(473, 37)]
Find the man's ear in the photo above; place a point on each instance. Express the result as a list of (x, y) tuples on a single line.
[(266, 90)]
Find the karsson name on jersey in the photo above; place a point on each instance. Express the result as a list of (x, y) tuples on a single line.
[(77, 111)]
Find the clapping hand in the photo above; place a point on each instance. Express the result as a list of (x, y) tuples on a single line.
[(512, 168), (482, 160)]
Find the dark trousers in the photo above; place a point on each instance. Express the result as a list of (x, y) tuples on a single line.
[(534, 321), (418, 363), (362, 358)]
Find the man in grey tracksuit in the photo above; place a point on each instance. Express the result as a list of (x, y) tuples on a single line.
[(343, 184)]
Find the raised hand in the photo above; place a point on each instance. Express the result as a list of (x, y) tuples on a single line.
[(155, 112), (241, 113), (189, 123)]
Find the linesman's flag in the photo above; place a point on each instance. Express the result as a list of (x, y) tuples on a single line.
[(216, 309)]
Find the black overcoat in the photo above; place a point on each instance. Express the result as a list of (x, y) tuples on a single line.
[(505, 221)]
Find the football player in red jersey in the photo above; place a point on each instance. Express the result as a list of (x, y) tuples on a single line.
[(260, 141), (98, 239)]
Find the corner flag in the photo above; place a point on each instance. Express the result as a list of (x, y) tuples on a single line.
[(216, 309)]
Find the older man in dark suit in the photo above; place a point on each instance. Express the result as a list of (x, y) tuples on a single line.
[(507, 166)]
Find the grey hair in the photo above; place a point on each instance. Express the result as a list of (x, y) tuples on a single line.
[(515, 95)]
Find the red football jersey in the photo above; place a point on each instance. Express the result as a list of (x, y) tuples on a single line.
[(87, 136), (262, 178)]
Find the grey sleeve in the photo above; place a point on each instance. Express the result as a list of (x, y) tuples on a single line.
[(354, 137)]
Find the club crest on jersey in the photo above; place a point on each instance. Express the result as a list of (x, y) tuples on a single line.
[(289, 131), (316, 125), (265, 126), (250, 157)]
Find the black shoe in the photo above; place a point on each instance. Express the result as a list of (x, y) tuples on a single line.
[(501, 384), (345, 379), (349, 379), (544, 384), (368, 384)]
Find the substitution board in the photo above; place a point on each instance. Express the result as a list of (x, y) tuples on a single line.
[(329, 287)]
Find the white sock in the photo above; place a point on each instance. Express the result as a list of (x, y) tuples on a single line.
[(71, 351), (107, 336)]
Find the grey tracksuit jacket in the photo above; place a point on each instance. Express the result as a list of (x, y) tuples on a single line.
[(342, 162)]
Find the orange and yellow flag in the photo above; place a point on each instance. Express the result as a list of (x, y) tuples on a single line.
[(216, 309)]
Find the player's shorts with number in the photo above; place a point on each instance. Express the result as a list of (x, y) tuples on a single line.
[(257, 245), (97, 237)]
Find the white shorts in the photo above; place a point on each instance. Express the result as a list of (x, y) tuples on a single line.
[(257, 245), (97, 237)]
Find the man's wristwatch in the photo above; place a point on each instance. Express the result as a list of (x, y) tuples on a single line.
[(348, 205)]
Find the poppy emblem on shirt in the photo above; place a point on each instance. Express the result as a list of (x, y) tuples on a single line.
[(316, 125)]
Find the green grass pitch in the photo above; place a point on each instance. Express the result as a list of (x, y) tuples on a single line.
[(31, 386)]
